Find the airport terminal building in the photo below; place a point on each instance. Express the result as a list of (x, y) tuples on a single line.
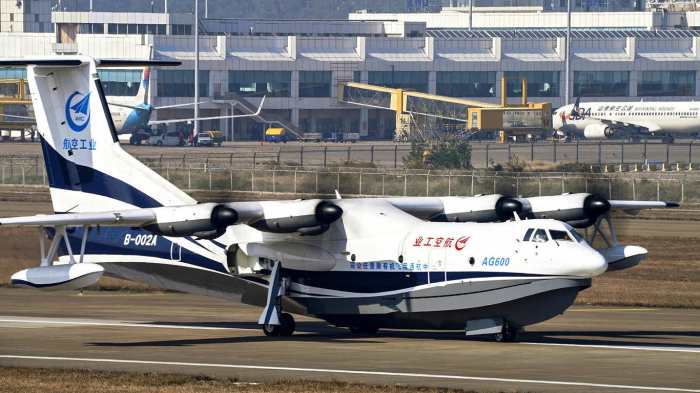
[(624, 54)]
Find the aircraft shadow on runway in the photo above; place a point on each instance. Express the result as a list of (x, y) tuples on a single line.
[(321, 332)]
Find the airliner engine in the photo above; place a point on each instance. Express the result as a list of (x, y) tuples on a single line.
[(578, 210), (598, 131)]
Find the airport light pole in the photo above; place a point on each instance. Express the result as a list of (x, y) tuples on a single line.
[(195, 129), (567, 61)]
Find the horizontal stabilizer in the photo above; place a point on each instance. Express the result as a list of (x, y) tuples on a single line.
[(75, 61)]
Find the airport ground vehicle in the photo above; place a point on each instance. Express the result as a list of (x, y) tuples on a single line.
[(167, 138), (469, 263)]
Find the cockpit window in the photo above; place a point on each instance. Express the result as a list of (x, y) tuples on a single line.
[(560, 235), (527, 234), (577, 236), (540, 236)]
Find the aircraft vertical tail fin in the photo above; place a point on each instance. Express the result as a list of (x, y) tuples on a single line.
[(86, 167), (142, 95)]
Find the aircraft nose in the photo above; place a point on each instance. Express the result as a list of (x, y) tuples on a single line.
[(590, 264)]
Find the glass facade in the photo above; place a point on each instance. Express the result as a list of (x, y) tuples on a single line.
[(260, 83), (666, 83), (601, 83), (466, 84), (180, 83), (315, 83), (539, 83), (13, 73), (120, 82), (181, 29), (409, 80), (124, 28)]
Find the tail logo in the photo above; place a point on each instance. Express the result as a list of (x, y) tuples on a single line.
[(78, 111)]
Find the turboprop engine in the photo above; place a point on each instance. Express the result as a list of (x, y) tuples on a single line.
[(311, 217), (207, 220), (598, 131), (578, 210)]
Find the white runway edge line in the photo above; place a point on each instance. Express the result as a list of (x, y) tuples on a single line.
[(353, 372), (132, 324), (115, 324)]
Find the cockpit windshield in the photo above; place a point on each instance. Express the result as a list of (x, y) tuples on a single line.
[(560, 235), (540, 235)]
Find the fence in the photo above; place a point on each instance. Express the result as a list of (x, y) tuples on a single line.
[(389, 155), (684, 188)]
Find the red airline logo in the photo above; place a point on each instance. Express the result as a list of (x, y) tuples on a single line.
[(441, 242)]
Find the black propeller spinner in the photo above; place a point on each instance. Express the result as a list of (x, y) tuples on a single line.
[(506, 206)]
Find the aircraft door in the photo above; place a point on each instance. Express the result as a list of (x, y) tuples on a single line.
[(437, 265), (175, 252)]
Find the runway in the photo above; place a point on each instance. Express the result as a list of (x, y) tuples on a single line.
[(586, 349)]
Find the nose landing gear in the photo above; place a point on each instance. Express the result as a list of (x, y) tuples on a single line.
[(508, 334)]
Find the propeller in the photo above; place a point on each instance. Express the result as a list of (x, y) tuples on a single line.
[(327, 212), (223, 217), (595, 206), (506, 206)]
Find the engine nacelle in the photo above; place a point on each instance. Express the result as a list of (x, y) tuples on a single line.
[(579, 210), (311, 217), (598, 131), (207, 220)]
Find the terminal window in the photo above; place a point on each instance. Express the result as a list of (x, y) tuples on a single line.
[(315, 83), (601, 83), (539, 83), (120, 82), (409, 80), (259, 83), (180, 83), (666, 83), (466, 84)]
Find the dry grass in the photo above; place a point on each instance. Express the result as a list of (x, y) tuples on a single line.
[(70, 381), (669, 277)]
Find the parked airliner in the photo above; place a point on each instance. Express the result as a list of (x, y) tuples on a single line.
[(601, 120)]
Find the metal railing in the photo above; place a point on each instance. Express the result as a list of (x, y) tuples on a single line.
[(684, 188)]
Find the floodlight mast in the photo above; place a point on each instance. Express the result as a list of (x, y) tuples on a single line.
[(195, 129)]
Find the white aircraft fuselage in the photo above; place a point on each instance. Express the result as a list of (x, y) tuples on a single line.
[(602, 119)]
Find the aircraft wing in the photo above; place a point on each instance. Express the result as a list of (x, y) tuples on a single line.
[(650, 127), (256, 113), (138, 217), (639, 205)]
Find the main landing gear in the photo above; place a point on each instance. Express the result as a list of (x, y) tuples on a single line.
[(284, 329), (274, 322)]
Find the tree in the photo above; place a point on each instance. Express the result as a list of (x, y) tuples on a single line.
[(449, 153)]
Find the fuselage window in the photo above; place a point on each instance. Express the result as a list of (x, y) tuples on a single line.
[(540, 236), (560, 235), (527, 234)]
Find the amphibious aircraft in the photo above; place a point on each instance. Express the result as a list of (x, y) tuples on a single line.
[(602, 120), (485, 264)]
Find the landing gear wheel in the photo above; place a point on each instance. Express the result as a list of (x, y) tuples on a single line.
[(364, 330), (508, 334), (284, 329)]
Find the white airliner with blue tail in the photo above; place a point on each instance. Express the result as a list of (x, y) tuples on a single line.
[(483, 264)]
